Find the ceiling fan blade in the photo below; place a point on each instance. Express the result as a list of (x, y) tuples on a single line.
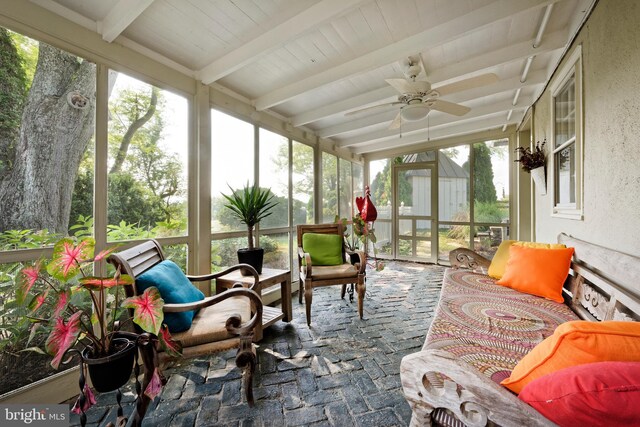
[(386, 104), (395, 124), (407, 86), (449, 107), (471, 83)]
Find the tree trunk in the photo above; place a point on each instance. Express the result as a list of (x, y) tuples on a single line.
[(53, 137), (12, 98), (131, 131)]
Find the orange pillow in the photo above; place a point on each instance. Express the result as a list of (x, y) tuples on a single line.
[(499, 260), (576, 343), (537, 271)]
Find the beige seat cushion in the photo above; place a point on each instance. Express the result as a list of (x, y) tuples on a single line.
[(209, 324), (334, 271)]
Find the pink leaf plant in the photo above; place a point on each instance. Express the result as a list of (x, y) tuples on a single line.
[(75, 308)]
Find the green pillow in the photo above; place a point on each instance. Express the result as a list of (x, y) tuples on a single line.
[(174, 288), (325, 249)]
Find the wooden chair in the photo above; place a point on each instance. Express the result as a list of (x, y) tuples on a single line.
[(224, 321), (315, 276)]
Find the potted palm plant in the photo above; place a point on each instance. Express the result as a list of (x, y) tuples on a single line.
[(250, 205), (86, 314)]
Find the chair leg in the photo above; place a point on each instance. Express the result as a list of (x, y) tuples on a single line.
[(246, 359), (361, 288), (308, 296), (300, 290), (343, 291)]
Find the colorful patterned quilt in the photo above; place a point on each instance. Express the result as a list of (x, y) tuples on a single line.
[(489, 326)]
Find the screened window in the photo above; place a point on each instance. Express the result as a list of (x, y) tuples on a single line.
[(567, 140), (148, 140), (274, 174), (42, 135), (303, 181), (329, 187), (346, 189), (232, 165)]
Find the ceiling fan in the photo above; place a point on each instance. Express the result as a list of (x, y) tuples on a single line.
[(417, 98)]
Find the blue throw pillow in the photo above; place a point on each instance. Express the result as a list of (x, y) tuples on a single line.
[(174, 288)]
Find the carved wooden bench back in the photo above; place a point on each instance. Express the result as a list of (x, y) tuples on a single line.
[(603, 283)]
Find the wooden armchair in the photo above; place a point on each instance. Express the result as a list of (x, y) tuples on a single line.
[(226, 320), (312, 276)]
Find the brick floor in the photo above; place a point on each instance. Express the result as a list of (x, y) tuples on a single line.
[(341, 371)]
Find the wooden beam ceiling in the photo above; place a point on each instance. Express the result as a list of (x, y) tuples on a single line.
[(243, 55), (120, 17), (434, 36)]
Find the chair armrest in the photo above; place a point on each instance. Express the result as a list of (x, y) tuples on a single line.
[(307, 260), (234, 324), (361, 264), (466, 258), (254, 273), (466, 392)]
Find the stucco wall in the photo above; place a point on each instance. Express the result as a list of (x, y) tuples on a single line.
[(611, 97)]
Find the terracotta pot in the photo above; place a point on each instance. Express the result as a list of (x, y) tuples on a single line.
[(111, 372)]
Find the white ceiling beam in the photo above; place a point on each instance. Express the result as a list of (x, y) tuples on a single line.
[(67, 13), (535, 78), (496, 121), (496, 58), (494, 12), (381, 95), (435, 121), (355, 124), (120, 17), (310, 18)]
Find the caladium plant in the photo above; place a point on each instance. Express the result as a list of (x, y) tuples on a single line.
[(55, 297)]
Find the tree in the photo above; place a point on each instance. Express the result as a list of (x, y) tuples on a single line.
[(137, 111), (56, 125), (484, 190), (381, 186), (13, 95)]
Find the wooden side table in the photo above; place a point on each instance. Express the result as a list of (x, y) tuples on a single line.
[(268, 278)]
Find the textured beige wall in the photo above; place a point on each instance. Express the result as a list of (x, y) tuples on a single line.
[(611, 97)]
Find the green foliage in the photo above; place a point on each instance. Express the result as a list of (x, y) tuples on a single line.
[(487, 212), (131, 202), (484, 190), (13, 94), (224, 252), (329, 185), (251, 204), (381, 191)]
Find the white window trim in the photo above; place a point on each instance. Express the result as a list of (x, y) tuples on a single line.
[(573, 65)]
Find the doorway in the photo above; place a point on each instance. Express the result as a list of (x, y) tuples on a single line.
[(415, 201)]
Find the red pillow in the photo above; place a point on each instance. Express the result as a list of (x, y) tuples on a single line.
[(593, 394)]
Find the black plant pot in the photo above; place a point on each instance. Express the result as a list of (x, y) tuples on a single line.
[(111, 372), (253, 257)]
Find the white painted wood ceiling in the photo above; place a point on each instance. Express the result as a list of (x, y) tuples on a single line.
[(312, 61)]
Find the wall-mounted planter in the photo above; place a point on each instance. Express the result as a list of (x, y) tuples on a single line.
[(539, 178)]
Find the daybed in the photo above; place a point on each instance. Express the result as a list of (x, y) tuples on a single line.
[(481, 330)]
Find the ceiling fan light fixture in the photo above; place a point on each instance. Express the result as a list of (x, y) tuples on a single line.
[(413, 113)]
